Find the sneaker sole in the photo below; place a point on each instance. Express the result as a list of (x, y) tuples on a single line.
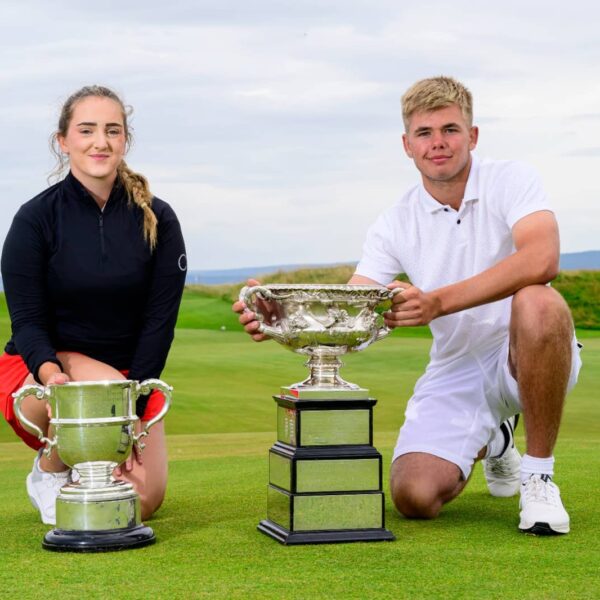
[(545, 529), (509, 492)]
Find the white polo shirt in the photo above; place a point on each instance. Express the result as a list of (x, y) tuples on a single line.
[(436, 246)]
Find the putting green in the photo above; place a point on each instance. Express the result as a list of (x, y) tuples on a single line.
[(221, 426)]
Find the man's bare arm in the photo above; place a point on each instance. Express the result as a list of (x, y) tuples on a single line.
[(362, 280), (535, 261)]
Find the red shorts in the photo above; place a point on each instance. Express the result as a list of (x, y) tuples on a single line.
[(13, 372)]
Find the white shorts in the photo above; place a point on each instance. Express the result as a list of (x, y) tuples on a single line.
[(457, 407)]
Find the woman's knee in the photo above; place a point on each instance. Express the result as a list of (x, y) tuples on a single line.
[(80, 367), (151, 501)]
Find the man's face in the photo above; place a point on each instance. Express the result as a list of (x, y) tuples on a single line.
[(440, 142)]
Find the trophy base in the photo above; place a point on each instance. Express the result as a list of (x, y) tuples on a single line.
[(61, 540), (315, 393), (295, 538)]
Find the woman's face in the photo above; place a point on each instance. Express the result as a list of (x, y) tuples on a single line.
[(95, 140)]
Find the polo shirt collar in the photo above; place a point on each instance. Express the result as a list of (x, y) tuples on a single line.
[(471, 190)]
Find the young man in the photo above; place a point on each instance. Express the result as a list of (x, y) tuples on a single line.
[(479, 243)]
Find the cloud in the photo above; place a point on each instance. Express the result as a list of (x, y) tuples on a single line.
[(584, 152), (285, 114)]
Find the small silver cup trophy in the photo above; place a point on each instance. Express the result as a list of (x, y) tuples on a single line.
[(94, 432), (325, 476)]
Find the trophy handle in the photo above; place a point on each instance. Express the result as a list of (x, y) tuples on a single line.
[(40, 393), (246, 296), (145, 388), (384, 330)]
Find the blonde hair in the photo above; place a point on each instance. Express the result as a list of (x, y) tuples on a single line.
[(135, 184), (435, 93)]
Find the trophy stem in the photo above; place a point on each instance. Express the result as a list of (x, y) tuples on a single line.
[(324, 372), (95, 474)]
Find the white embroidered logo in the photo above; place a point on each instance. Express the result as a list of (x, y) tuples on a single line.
[(182, 262)]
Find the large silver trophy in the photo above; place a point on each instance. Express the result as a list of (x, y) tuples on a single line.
[(325, 476), (94, 432)]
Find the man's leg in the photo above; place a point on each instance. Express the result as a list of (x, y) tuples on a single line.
[(540, 360), (422, 483), (541, 330)]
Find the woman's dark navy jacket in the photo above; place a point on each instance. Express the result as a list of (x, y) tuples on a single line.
[(80, 279)]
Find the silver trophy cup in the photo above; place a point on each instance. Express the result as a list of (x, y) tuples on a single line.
[(322, 321), (94, 432), (325, 476)]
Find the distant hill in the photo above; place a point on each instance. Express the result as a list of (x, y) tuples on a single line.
[(218, 277), (570, 261), (574, 261), (584, 261)]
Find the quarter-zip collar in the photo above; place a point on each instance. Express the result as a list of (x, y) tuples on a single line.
[(76, 189)]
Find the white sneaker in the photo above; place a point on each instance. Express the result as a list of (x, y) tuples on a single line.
[(542, 511), (43, 488), (503, 473)]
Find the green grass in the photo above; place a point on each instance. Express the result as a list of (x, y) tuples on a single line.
[(208, 546), (219, 430)]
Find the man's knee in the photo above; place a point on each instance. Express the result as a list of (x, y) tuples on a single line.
[(421, 484), (415, 499), (539, 312)]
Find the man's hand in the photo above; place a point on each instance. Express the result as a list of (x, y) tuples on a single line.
[(411, 307), (248, 318)]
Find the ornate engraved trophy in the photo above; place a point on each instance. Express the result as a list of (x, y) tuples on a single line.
[(94, 433), (325, 476)]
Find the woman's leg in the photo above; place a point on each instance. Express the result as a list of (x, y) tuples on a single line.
[(148, 471)]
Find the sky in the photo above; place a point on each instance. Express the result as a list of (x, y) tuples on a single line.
[(273, 127)]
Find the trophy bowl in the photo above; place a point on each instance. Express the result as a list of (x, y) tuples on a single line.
[(323, 321), (94, 432), (93, 421)]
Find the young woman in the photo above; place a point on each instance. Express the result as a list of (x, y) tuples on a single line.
[(93, 270)]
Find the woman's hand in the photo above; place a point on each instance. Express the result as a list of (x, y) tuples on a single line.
[(49, 374), (127, 466), (57, 379)]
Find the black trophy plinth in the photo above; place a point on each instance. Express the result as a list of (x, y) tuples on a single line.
[(325, 476)]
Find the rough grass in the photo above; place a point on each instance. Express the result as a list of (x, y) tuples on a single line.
[(581, 289)]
